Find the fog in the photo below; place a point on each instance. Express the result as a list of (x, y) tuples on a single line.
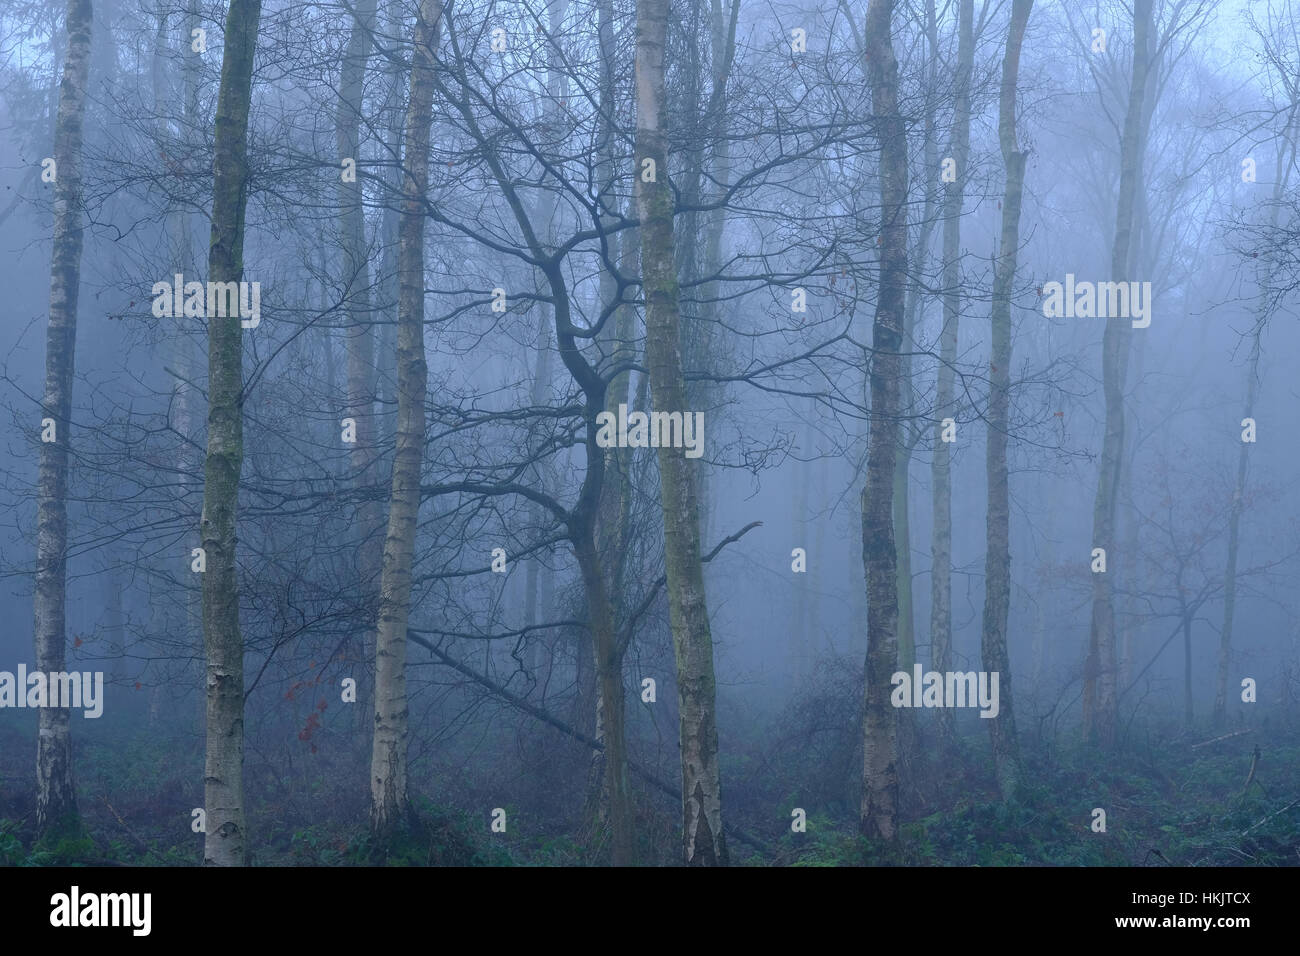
[(533, 255)]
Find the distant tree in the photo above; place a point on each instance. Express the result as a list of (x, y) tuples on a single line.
[(1100, 700), (945, 406), (1282, 59), (362, 378)]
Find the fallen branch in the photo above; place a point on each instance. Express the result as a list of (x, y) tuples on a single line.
[(1206, 743), (1270, 817)]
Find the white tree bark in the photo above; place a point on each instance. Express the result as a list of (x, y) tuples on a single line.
[(703, 837), (362, 377), (388, 762), (879, 814), (56, 802), (941, 465), (223, 792)]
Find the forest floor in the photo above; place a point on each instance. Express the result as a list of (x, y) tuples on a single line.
[(1174, 798)]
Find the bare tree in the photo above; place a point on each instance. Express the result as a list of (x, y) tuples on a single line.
[(997, 564), (224, 843), (389, 803), (56, 798), (941, 463), (1100, 700), (361, 372), (879, 816), (703, 838), (223, 774), (1286, 154)]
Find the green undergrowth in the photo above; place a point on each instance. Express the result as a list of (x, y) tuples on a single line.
[(1184, 807), (1173, 801)]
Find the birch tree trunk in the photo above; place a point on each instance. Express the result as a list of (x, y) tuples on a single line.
[(223, 792), (114, 627), (362, 377), (941, 466), (1100, 697), (1234, 530), (1239, 489), (801, 634), (880, 559), (390, 808), (614, 512), (610, 700), (56, 799), (915, 299), (722, 33), (613, 520), (703, 839), (390, 178), (533, 569), (189, 358), (997, 563), (1142, 257), (557, 89), (613, 508)]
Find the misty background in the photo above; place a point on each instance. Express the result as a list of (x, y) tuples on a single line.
[(783, 166)]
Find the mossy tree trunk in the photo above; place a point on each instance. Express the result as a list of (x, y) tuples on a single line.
[(879, 812), (704, 843)]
